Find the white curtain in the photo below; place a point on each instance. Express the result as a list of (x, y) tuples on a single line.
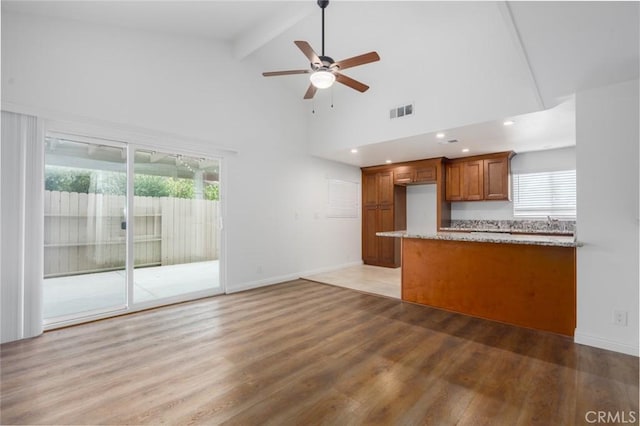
[(22, 224)]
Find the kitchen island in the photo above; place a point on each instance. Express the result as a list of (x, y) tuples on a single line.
[(525, 280)]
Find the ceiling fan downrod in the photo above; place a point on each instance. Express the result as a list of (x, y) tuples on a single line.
[(323, 4)]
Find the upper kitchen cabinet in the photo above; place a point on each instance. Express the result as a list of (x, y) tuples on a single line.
[(453, 181), (496, 178), (483, 177), (417, 172), (377, 188), (473, 180), (464, 180)]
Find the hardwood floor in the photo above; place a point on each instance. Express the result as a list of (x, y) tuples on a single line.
[(307, 353)]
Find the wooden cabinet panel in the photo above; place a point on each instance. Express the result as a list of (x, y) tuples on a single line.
[(380, 200), (425, 174), (496, 179), (526, 285), (381, 251), (369, 189), (403, 175), (453, 186), (377, 188), (473, 182), (386, 222), (385, 188), (483, 177), (369, 238)]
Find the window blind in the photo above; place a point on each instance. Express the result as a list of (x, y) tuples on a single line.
[(545, 194), (21, 196)]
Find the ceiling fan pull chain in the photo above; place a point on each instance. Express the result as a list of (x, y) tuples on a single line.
[(331, 96)]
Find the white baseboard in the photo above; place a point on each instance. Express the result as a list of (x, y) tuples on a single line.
[(599, 342), (261, 283), (289, 277)]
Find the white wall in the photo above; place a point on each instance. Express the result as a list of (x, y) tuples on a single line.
[(421, 209), (526, 162), (169, 85), (440, 88), (608, 185)]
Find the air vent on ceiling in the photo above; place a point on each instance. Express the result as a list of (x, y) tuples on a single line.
[(401, 111), (450, 141)]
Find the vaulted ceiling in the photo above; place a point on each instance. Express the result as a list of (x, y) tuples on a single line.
[(466, 66)]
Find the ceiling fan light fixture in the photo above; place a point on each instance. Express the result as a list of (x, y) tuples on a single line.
[(324, 70), (322, 79)]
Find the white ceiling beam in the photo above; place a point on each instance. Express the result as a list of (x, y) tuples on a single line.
[(269, 29), (510, 25)]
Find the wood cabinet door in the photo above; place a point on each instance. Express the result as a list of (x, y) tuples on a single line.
[(370, 189), (473, 182), (386, 245), (496, 179), (369, 238), (453, 181), (425, 174), (385, 188), (403, 175)]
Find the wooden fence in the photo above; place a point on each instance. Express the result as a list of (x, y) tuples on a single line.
[(85, 232)]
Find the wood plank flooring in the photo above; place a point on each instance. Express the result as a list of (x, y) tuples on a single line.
[(306, 353)]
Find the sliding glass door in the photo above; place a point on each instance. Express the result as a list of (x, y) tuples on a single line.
[(176, 209), (126, 228), (85, 202)]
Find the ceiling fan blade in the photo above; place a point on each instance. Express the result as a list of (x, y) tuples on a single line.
[(348, 81), (308, 52), (311, 91), (357, 60), (290, 72)]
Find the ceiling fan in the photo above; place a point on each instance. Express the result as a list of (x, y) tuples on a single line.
[(324, 70)]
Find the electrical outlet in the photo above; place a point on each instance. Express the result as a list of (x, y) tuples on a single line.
[(620, 318)]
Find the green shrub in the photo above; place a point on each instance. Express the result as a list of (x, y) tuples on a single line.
[(66, 179)]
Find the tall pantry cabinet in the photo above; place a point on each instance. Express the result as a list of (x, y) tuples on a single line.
[(384, 209)]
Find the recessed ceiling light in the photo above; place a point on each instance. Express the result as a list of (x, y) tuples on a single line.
[(439, 135), (388, 161), (465, 150), (353, 151), (508, 123)]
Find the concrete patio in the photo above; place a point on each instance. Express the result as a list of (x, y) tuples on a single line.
[(83, 293)]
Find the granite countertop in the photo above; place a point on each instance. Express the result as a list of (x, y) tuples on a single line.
[(491, 237), (505, 231), (557, 227)]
